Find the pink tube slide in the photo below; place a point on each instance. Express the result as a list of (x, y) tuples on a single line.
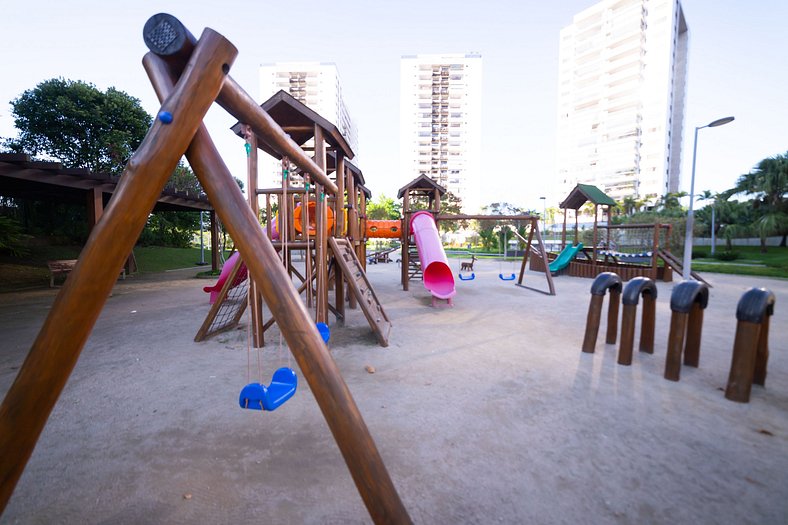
[(437, 275)]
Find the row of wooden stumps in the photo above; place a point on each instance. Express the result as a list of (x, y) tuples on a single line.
[(687, 303)]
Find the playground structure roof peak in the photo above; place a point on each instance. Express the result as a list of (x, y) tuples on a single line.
[(422, 182), (582, 193), (298, 121)]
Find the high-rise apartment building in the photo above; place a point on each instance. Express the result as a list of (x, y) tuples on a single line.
[(622, 78), (318, 86), (440, 122)]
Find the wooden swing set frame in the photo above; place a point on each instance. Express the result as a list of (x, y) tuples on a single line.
[(188, 76)]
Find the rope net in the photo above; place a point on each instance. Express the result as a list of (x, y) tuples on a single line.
[(229, 306)]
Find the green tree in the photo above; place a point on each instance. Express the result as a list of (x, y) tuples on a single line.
[(451, 204), (80, 126), (384, 208), (670, 205), (768, 185)]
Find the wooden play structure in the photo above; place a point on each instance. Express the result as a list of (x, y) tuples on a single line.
[(188, 76), (629, 250), (424, 194), (303, 216)]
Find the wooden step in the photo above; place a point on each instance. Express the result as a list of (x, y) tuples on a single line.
[(358, 283)]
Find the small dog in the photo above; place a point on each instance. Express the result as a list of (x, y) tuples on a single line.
[(468, 266)]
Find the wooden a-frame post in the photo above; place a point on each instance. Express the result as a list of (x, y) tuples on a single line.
[(32, 396), (42, 377)]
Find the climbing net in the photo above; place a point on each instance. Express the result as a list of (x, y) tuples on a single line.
[(633, 241), (226, 311)]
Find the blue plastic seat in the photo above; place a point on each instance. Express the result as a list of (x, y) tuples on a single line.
[(470, 277), (255, 396), (506, 278)]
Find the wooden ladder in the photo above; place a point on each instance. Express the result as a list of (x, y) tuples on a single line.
[(354, 274)]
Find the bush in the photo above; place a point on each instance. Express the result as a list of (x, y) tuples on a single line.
[(699, 253), (726, 255), (12, 238)]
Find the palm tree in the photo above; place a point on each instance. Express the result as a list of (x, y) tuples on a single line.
[(768, 183), (670, 201)]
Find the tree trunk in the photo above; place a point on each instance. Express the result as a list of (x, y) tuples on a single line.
[(763, 244), (782, 242)]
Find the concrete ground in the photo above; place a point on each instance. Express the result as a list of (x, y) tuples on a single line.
[(484, 413)]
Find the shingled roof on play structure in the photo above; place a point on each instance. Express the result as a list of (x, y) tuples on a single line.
[(583, 193)]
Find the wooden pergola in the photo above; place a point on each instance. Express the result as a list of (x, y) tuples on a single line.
[(21, 177)]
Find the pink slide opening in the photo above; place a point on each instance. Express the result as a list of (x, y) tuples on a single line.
[(437, 275), (226, 269)]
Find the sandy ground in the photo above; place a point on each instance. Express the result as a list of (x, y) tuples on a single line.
[(484, 413)]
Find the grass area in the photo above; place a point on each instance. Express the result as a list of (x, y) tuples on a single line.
[(160, 259), (18, 273), (773, 263)]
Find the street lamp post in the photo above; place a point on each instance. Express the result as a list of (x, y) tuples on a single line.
[(690, 214), (544, 214), (713, 239)]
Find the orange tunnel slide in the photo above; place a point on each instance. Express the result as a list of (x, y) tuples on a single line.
[(384, 229)]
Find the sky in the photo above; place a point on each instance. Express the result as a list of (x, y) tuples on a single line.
[(737, 57)]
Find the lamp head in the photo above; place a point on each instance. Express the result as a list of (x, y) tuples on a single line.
[(720, 122)]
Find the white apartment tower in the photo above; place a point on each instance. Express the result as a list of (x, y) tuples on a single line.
[(318, 86), (622, 78), (440, 122)]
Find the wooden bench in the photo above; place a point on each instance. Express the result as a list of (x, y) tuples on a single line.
[(64, 267)]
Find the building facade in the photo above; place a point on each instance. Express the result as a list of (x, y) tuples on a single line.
[(440, 122), (318, 86), (622, 87)]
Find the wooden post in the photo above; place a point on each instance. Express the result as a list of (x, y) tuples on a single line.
[(563, 234), (255, 299), (694, 328), (309, 252), (406, 240), (339, 222), (593, 250), (635, 288), (352, 221), (320, 371), (321, 240), (605, 282), (54, 353), (762, 353), (655, 252), (592, 323), (687, 302), (95, 202), (362, 246), (215, 255), (627, 334), (647, 324), (750, 347), (678, 327)]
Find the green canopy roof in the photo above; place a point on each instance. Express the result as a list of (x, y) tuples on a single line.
[(585, 192)]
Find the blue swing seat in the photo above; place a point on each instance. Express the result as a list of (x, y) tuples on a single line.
[(283, 385), (470, 277), (325, 331), (505, 278)]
